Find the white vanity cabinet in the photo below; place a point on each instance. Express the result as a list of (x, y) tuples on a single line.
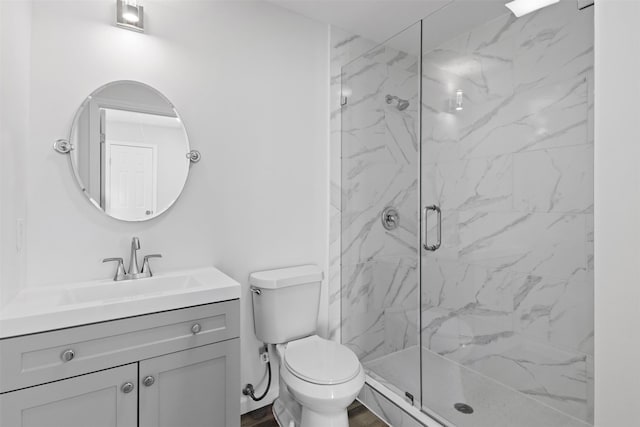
[(184, 388), (177, 368), (96, 400)]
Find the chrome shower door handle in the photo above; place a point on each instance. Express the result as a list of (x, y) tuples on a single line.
[(425, 243)]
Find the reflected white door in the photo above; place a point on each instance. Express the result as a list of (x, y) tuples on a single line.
[(130, 180)]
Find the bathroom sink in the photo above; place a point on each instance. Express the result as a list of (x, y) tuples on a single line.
[(52, 307), (131, 289)]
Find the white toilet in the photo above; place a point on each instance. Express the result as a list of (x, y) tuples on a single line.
[(318, 378)]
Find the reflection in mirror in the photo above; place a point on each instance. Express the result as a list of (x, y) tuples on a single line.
[(129, 151)]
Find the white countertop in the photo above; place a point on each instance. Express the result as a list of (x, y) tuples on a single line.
[(53, 307)]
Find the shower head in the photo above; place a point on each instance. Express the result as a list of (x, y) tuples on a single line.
[(401, 104)]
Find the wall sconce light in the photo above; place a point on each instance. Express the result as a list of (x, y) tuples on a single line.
[(459, 97), (130, 15)]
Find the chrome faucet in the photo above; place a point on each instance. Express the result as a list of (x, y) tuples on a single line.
[(133, 260), (134, 272)]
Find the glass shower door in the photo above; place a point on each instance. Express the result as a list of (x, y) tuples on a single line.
[(507, 155), (379, 221)]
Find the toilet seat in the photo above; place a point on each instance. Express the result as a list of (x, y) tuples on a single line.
[(319, 361)]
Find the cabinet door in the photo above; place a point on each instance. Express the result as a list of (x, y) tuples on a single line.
[(199, 387), (95, 400)]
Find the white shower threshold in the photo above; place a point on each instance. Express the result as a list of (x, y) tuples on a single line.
[(494, 404)]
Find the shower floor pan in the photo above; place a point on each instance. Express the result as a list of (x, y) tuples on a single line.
[(493, 403)]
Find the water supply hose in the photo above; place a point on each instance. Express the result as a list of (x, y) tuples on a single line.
[(248, 390)]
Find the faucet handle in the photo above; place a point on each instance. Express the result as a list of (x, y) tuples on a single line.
[(120, 273), (146, 267)]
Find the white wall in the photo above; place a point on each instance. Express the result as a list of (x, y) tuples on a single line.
[(617, 213), (15, 32), (250, 81)]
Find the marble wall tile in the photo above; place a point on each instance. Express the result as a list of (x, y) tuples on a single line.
[(344, 48), (540, 117), (379, 169), (590, 390), (380, 166), (380, 284), (513, 172), (485, 328), (533, 304), (440, 330), (532, 243), (471, 184), (401, 328), (453, 285), (510, 292), (364, 333), (379, 156), (553, 44), (483, 58), (366, 239), (589, 245), (571, 316), (554, 180), (590, 106), (440, 124)]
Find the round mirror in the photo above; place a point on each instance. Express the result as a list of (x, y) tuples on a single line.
[(129, 151)]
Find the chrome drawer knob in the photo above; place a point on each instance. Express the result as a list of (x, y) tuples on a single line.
[(127, 387), (196, 328), (68, 355), (148, 381)]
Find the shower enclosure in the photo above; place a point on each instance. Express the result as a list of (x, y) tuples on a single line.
[(467, 215)]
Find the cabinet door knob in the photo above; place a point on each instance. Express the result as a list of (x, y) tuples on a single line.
[(68, 355), (148, 381), (127, 387), (196, 328)]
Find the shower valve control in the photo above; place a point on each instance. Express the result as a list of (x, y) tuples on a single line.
[(390, 218)]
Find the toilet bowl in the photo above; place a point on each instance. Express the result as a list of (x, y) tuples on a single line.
[(324, 377), (318, 378)]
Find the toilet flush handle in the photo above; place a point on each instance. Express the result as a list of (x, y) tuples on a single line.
[(256, 291)]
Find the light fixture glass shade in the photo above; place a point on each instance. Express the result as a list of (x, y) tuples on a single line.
[(130, 15), (522, 7)]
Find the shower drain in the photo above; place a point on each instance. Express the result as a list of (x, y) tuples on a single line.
[(464, 408)]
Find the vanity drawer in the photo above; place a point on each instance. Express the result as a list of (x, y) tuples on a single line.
[(35, 359)]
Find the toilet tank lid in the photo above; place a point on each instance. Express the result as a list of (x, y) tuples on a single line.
[(283, 277)]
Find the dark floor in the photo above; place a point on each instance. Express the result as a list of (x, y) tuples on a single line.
[(359, 416)]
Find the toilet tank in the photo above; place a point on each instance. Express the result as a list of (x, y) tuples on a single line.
[(285, 303)]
